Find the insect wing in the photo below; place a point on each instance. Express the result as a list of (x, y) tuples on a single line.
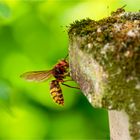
[(37, 76)]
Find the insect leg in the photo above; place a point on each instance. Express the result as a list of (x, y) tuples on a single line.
[(70, 86), (67, 74), (67, 80)]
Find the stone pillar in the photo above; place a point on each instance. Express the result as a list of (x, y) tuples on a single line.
[(104, 59)]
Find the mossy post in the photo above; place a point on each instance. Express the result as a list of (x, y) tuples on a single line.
[(104, 59)]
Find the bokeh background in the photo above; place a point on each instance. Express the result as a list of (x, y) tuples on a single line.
[(33, 36)]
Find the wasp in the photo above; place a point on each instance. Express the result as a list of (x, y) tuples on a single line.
[(60, 71)]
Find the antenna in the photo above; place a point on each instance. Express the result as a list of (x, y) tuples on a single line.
[(66, 57)]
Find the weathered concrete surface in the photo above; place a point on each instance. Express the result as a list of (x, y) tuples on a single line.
[(119, 124)]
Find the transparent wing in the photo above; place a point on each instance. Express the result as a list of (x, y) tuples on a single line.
[(38, 76)]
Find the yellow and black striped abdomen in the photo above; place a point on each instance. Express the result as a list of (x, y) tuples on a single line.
[(56, 92)]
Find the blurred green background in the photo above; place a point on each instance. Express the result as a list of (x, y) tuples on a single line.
[(33, 36)]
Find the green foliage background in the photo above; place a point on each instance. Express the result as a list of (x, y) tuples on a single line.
[(33, 36)]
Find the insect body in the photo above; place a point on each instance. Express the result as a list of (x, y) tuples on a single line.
[(60, 71), (56, 92)]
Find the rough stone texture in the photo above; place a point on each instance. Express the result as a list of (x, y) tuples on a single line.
[(104, 59), (118, 130)]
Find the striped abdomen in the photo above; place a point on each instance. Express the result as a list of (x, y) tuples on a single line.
[(56, 92)]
